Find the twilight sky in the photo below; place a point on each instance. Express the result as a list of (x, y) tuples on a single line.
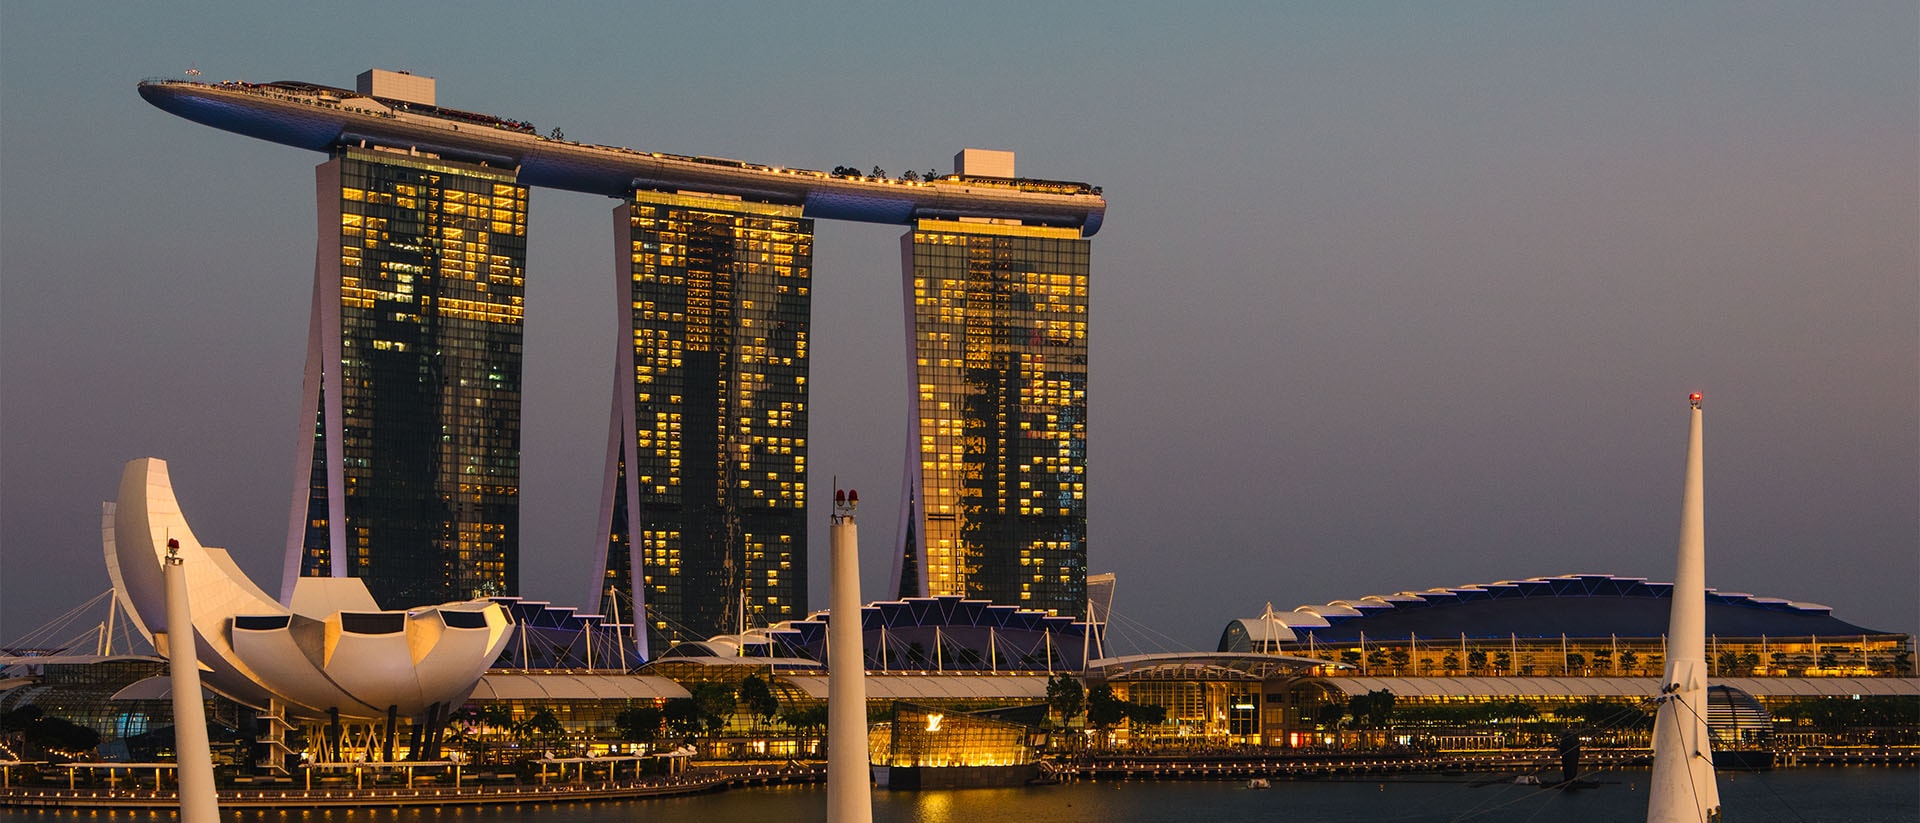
[(1389, 296)]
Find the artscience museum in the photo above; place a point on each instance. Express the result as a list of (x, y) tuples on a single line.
[(331, 653)]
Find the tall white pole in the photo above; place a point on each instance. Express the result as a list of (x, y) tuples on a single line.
[(619, 638), (1684, 790), (849, 792), (198, 803), (113, 613)]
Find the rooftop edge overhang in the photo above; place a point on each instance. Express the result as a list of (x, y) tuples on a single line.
[(1225, 666), (310, 121)]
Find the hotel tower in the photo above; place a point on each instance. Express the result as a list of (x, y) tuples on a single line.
[(409, 470), (706, 492), (996, 480), (407, 467)]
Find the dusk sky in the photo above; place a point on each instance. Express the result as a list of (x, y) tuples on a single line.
[(1388, 297)]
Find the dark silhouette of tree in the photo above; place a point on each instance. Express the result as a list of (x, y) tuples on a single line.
[(1400, 660), (640, 724), (1331, 715), (682, 716), (808, 721), (54, 737), (1373, 710), (1842, 715), (1605, 714), (716, 703), (542, 727), (1603, 660), (1104, 710), (879, 173), (1376, 659), (758, 698), (1724, 664), (1476, 661), (1141, 714), (1066, 697)]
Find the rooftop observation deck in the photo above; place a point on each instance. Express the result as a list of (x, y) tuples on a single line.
[(321, 118)]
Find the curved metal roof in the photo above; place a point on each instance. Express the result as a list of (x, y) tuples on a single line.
[(1624, 687), (540, 687), (1200, 666), (1576, 605), (912, 687)]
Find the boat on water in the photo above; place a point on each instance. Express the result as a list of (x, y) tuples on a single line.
[(1259, 783)]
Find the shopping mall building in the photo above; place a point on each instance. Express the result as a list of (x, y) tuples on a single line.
[(1497, 663)]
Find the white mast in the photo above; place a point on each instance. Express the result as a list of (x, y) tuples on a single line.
[(619, 640), (198, 803), (1684, 790), (113, 609), (849, 792)]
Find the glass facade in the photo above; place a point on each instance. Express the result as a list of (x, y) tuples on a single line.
[(927, 736), (416, 438), (709, 462), (997, 483), (1886, 655)]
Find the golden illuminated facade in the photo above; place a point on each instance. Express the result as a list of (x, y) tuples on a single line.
[(409, 471), (929, 736), (997, 473), (707, 458)]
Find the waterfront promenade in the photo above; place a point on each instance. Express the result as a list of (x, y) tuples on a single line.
[(706, 779), (1327, 766)]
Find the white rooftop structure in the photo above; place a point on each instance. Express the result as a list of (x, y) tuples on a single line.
[(395, 85), (983, 163)]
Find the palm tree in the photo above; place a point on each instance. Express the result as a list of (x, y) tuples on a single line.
[(807, 721), (542, 727)]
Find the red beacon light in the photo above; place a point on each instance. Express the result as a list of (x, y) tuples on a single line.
[(844, 502), (1694, 399)]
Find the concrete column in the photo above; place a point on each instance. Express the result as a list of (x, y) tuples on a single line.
[(198, 803), (849, 788)]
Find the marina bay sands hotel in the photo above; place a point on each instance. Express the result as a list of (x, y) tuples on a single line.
[(408, 459)]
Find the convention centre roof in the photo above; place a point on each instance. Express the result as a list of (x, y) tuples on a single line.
[(1573, 605), (1518, 688)]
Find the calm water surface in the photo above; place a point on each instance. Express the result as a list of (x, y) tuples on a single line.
[(1851, 795)]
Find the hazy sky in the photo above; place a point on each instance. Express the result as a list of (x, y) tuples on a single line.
[(1388, 297)]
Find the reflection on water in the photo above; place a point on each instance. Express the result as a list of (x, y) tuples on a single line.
[(1852, 795)]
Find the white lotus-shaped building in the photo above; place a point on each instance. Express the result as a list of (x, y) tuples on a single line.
[(331, 649)]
